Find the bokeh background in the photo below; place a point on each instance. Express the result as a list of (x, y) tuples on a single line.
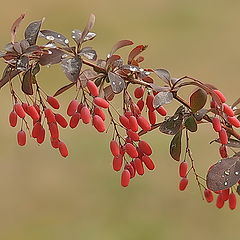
[(45, 197)]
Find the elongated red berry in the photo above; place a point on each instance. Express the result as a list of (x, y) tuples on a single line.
[(145, 147), (131, 169), (152, 117), (208, 195), (74, 120), (143, 123), (183, 167), (183, 184), (72, 107), (133, 135), (63, 149), (114, 147), (125, 178), (148, 162), (220, 95), (53, 128), (139, 166), (36, 129), (61, 120), (140, 104), (21, 138), (216, 124), (133, 123), (33, 113), (25, 107), (131, 150), (117, 162), (234, 121), (213, 104), (54, 142), (85, 115), (101, 102), (98, 123), (13, 119), (128, 114), (124, 121), (223, 151), (53, 102), (223, 136), (135, 109), (138, 92), (225, 194), (228, 110), (220, 201), (98, 111), (19, 110), (92, 88), (162, 111), (149, 102), (49, 115), (41, 136), (232, 201)]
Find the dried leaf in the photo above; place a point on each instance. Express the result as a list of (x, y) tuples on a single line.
[(191, 124), (198, 100), (88, 53), (55, 37), (136, 51), (88, 27), (176, 146), (22, 63), (32, 31), (15, 27), (108, 93), (71, 68), (54, 56), (118, 45), (224, 174), (117, 83), (27, 87), (63, 89), (163, 74), (162, 98)]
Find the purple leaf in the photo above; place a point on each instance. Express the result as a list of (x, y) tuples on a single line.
[(54, 56), (88, 53), (117, 83), (63, 89), (163, 74), (32, 31), (88, 27), (8, 75), (118, 45), (72, 67), (22, 63), (77, 34), (162, 98), (27, 87), (55, 37)]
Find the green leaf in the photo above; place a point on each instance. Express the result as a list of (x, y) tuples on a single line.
[(176, 146), (198, 100), (191, 124)]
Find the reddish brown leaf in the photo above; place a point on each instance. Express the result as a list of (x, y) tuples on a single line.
[(198, 100), (63, 89), (136, 51), (118, 45), (27, 82), (88, 27)]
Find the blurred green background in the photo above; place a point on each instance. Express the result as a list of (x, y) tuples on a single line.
[(45, 197)]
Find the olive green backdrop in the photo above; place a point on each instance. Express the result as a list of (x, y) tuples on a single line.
[(45, 197)]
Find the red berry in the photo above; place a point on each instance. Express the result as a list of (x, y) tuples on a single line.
[(135, 109), (41, 136), (117, 162), (213, 104), (128, 114), (232, 201), (92, 88), (162, 111), (220, 95), (74, 120), (183, 184), (114, 147), (143, 123), (54, 142), (131, 169), (145, 147), (138, 92), (208, 195), (139, 166), (125, 178), (140, 104), (133, 135), (223, 136), (33, 113), (183, 167), (152, 117), (53, 102), (149, 102), (220, 202), (101, 102), (19, 110), (124, 121), (98, 123), (21, 138), (228, 110), (53, 128), (36, 129), (85, 115), (13, 119), (25, 107), (234, 121), (63, 149), (72, 107), (131, 150), (61, 120), (223, 151), (98, 111), (216, 124), (49, 115), (133, 123), (225, 194), (80, 106), (148, 162)]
